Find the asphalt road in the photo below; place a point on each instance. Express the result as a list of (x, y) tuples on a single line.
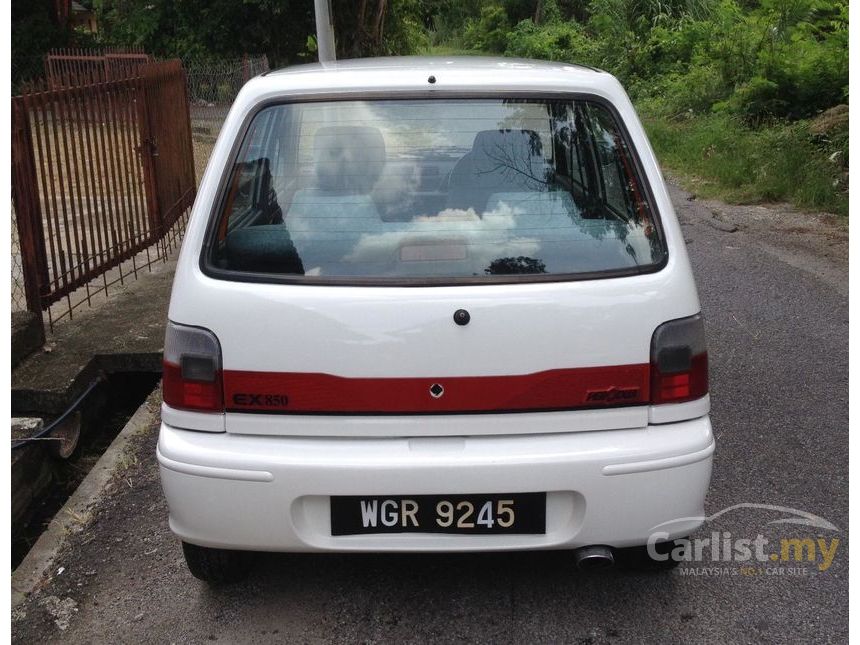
[(774, 293)]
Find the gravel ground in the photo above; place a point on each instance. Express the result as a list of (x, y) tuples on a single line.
[(773, 284)]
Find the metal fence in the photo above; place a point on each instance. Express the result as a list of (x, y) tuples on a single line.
[(100, 173), (74, 67), (210, 90), (19, 298), (212, 87), (216, 83)]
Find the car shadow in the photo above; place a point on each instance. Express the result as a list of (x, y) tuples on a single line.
[(474, 596)]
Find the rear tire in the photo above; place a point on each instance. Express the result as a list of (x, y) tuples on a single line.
[(217, 566)]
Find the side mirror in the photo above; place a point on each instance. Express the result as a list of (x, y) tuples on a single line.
[(262, 249)]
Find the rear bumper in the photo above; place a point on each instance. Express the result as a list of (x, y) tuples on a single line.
[(271, 493)]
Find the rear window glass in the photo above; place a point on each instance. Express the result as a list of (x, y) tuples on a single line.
[(434, 190)]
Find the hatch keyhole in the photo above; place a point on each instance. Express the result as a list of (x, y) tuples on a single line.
[(462, 317)]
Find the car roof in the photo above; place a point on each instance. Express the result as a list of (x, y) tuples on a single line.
[(457, 74), (430, 64)]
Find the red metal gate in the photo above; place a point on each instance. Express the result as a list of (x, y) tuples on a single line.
[(101, 172), (167, 137), (75, 67)]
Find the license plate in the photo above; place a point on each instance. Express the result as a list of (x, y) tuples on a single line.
[(508, 513)]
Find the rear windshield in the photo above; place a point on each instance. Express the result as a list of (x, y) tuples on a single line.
[(435, 190)]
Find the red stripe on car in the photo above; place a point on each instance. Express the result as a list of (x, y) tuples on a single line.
[(559, 389)]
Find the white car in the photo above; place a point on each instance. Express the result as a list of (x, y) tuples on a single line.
[(430, 304)]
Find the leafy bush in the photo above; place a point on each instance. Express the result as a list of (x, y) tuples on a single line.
[(693, 92), (562, 41), (755, 100), (490, 31), (788, 59)]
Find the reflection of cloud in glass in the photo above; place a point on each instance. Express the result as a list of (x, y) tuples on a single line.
[(394, 192), (419, 124), (483, 239)]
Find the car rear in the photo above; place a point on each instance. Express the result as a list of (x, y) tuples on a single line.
[(415, 316)]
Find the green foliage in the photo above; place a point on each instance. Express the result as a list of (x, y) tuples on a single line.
[(445, 19), (786, 59), (489, 32), (219, 29), (209, 29), (758, 61), (754, 99), (680, 94), (406, 31), (550, 12), (34, 32), (562, 41)]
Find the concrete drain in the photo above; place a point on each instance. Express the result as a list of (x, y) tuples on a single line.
[(46, 472)]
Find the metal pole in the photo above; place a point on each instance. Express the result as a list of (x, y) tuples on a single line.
[(325, 31)]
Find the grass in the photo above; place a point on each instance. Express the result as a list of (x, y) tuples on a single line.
[(715, 156), (449, 49)]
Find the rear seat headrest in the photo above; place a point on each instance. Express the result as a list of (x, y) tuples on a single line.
[(504, 160), (348, 159), (512, 158)]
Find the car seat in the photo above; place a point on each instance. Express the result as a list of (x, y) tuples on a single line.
[(500, 161), (327, 219)]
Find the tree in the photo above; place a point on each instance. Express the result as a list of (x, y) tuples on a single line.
[(379, 27), (35, 30), (279, 28), (210, 28)]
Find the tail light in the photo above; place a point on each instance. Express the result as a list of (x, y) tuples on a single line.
[(679, 361), (192, 369)]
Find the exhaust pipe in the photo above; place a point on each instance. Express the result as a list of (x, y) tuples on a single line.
[(591, 558)]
